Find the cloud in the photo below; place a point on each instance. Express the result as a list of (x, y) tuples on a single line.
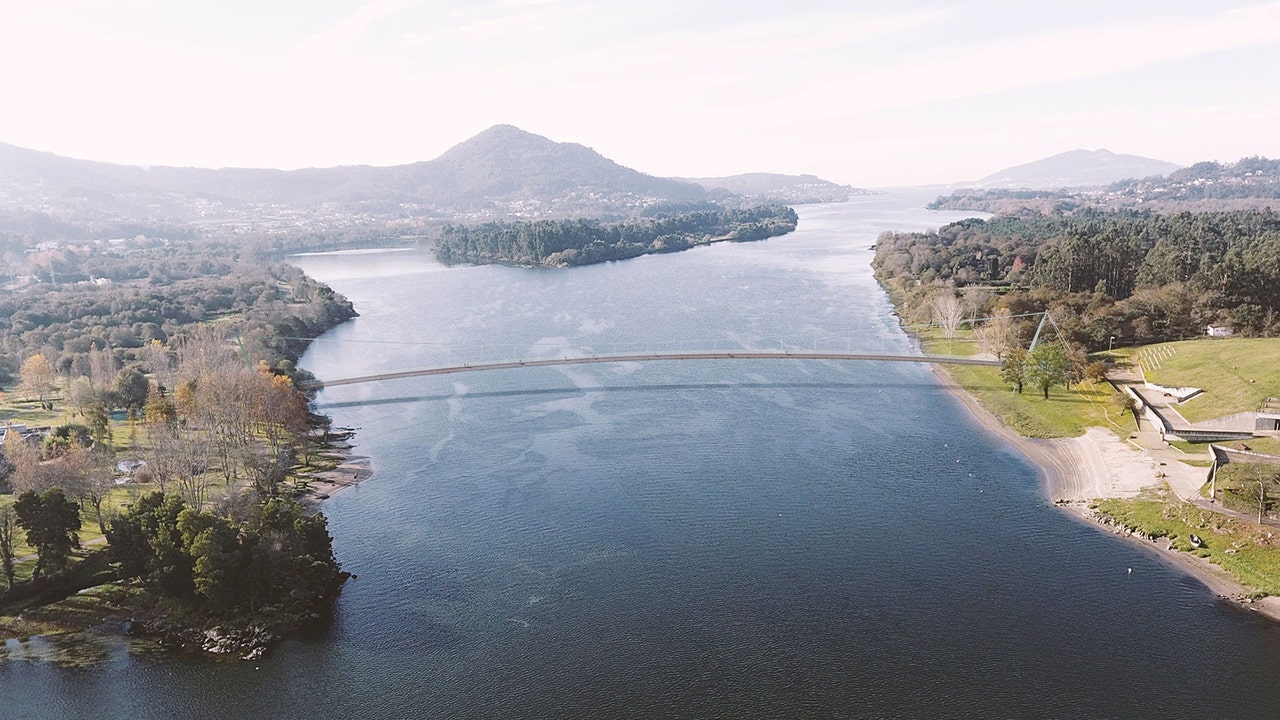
[(350, 30), (1061, 55)]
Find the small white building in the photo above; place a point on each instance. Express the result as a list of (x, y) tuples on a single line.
[(1218, 331)]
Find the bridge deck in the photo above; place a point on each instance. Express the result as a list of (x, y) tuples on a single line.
[(648, 357)]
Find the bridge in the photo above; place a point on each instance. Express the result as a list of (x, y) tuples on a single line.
[(658, 356)]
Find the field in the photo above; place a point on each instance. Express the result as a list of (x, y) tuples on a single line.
[(1067, 413), (1237, 374)]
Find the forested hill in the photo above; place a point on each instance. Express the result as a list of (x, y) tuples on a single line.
[(564, 243), (1137, 276), (1251, 177), (153, 294)]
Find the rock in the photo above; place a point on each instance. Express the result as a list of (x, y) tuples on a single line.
[(255, 653)]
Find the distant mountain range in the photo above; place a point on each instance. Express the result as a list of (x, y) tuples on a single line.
[(772, 187), (1249, 183), (1077, 168), (503, 172)]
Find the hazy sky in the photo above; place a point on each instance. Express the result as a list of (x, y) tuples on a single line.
[(863, 92)]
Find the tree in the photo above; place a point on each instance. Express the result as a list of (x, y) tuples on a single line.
[(218, 560), (36, 376), (146, 542), (8, 524), (102, 369), (1013, 369), (6, 465), (29, 473), (99, 424), (1047, 365), (948, 313), (132, 386), (1125, 401), (999, 334), (99, 479), (159, 410), (80, 393), (52, 522)]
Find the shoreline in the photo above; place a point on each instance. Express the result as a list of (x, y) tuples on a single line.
[(350, 471), (1069, 468)]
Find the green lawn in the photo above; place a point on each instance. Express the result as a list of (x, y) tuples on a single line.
[(1067, 413), (1236, 374)]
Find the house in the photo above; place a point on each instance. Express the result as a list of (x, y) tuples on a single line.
[(1218, 331)]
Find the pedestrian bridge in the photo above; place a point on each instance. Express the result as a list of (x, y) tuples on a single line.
[(658, 356)]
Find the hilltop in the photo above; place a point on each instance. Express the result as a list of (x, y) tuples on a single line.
[(501, 172), (774, 187), (1077, 168)]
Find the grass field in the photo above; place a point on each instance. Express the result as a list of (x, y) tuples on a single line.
[(1236, 374), (1067, 413)]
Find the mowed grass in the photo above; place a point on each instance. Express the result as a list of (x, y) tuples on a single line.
[(1236, 374), (1246, 550), (1067, 413)]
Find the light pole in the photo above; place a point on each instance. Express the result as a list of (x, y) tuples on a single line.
[(1111, 342)]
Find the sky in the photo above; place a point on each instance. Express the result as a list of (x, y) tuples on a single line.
[(869, 93)]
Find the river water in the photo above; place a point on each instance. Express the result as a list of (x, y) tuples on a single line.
[(689, 540)]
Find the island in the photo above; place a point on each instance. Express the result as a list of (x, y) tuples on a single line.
[(568, 243)]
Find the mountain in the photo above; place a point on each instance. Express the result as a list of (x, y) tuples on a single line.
[(505, 162), (502, 172), (772, 187), (1077, 168)]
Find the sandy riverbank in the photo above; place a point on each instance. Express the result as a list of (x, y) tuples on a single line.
[(351, 470), (1098, 464)]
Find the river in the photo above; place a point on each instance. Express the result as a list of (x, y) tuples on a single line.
[(689, 540)]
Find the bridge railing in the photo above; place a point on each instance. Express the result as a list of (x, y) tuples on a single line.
[(460, 354)]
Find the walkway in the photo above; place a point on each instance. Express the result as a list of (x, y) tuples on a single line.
[(591, 359)]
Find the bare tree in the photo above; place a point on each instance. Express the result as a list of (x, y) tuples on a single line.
[(102, 369), (196, 452), (99, 481), (999, 334), (158, 362), (80, 394), (948, 313)]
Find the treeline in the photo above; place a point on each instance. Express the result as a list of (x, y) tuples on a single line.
[(1001, 201), (564, 243), (275, 307), (1135, 276), (274, 555)]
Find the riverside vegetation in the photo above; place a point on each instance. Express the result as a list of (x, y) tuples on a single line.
[(182, 365), (1109, 278)]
